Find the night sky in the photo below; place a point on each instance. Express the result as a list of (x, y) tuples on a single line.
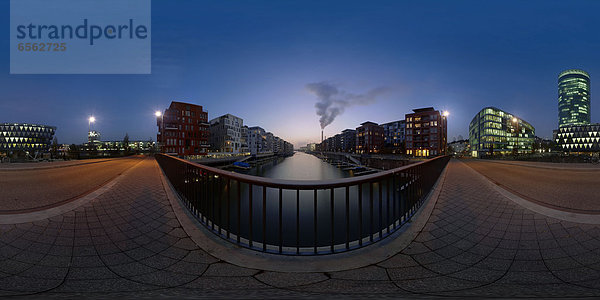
[(259, 59)]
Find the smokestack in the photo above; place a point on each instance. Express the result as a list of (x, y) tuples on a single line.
[(321, 135)]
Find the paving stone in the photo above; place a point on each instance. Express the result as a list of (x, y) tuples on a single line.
[(280, 280), (229, 270), (366, 273)]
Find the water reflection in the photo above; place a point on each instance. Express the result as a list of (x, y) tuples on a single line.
[(300, 166)]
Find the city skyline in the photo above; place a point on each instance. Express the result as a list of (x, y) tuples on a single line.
[(257, 66)]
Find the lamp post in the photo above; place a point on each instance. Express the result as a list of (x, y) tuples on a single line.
[(162, 130), (91, 120), (516, 122), (445, 115)]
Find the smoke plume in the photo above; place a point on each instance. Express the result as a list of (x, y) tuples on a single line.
[(332, 101)]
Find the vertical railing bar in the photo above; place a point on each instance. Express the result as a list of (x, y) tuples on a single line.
[(347, 217), (250, 220), (212, 202), (228, 207), (280, 222), (219, 203), (371, 211), (239, 210), (332, 221), (360, 220), (387, 208), (380, 217), (297, 221), (264, 217), (315, 220)]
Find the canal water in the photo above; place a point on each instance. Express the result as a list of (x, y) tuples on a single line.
[(300, 166), (303, 218)]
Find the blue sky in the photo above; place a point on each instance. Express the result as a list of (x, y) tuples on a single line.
[(254, 59)]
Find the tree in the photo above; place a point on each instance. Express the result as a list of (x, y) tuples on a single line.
[(126, 143), (54, 148)]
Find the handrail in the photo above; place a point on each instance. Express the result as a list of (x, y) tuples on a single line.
[(296, 184), (301, 217)]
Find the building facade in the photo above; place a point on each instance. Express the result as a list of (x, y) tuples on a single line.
[(578, 138), (348, 140), (183, 130), (257, 140), (394, 133), (573, 98), (369, 138), (244, 140), (575, 134), (496, 132), (23, 138), (426, 132), (226, 134)]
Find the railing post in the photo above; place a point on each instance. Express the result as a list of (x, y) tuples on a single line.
[(360, 220), (250, 220), (387, 208), (347, 217), (280, 222), (264, 217), (371, 212), (228, 187), (315, 220), (332, 221), (297, 221), (379, 184), (239, 210)]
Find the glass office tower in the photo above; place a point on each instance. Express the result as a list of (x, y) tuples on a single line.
[(496, 132), (573, 98)]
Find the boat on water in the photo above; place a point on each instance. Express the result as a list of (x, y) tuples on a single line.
[(241, 165)]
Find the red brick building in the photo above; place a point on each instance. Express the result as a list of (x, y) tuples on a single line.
[(369, 138), (183, 130), (426, 132)]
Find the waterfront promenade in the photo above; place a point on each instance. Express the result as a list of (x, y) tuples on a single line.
[(127, 241)]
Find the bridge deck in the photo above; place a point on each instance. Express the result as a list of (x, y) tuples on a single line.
[(128, 242)]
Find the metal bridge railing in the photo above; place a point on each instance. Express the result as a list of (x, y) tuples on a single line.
[(302, 217)]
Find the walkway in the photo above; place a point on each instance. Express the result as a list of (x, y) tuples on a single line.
[(127, 242)]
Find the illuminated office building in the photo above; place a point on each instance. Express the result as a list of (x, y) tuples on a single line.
[(575, 134), (573, 98), (495, 132), (29, 138)]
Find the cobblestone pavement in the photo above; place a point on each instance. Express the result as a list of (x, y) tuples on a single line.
[(129, 243)]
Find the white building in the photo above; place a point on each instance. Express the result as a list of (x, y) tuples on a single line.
[(226, 134), (256, 140)]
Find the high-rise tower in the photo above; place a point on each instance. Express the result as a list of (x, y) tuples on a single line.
[(573, 98)]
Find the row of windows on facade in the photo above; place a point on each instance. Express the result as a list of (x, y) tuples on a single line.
[(23, 146), (27, 128), (419, 125), (180, 142), (24, 140), (25, 134), (422, 118)]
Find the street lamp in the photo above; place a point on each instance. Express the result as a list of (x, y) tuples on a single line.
[(516, 122), (158, 114), (445, 115), (91, 120)]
